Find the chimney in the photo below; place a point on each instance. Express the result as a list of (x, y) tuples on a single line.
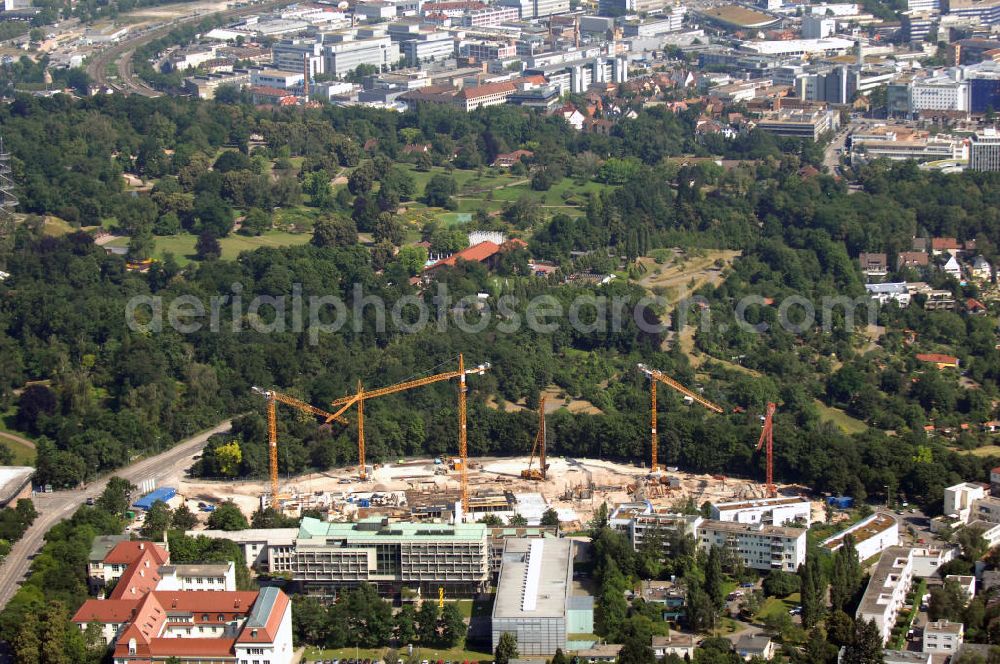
[(305, 77), (142, 546)]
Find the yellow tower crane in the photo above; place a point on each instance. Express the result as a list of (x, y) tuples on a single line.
[(655, 376), (538, 474), (273, 397), (362, 395)]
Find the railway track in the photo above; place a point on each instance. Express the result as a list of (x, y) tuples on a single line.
[(121, 54)]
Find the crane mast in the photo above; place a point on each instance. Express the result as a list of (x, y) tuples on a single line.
[(539, 448), (767, 435), (362, 395), (272, 398), (658, 376)]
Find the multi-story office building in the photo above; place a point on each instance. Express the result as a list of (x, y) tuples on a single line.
[(801, 124), (817, 27), (923, 5), (344, 56), (984, 151), (392, 555), (778, 511), (535, 598), (266, 549), (276, 78), (490, 16), (887, 588), (642, 526), (536, 8), (986, 12), (427, 47), (291, 55), (487, 50), (760, 547)]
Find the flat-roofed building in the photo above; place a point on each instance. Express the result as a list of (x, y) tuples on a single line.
[(760, 546), (872, 536), (943, 637), (217, 577), (392, 555), (535, 599), (887, 588), (777, 511), (984, 153), (801, 124), (264, 549)]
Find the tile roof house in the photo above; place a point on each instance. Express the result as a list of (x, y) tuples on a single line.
[(981, 269), (508, 159), (941, 245), (942, 361), (874, 265), (478, 253), (952, 268), (911, 259)]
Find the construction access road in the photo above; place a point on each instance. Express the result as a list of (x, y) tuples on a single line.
[(54, 507)]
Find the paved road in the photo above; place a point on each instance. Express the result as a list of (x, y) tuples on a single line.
[(831, 155), (54, 507)]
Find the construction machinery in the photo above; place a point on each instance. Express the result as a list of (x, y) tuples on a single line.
[(463, 452), (273, 397), (538, 474), (658, 376), (767, 435)]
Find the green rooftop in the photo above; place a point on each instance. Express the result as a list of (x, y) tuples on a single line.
[(375, 529)]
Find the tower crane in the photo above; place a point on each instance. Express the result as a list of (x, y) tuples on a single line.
[(767, 434), (362, 395), (273, 397), (539, 447), (654, 376)]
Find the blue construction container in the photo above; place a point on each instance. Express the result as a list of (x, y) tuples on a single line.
[(841, 502), (364, 502), (164, 493)]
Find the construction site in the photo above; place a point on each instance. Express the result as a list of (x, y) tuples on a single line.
[(459, 488)]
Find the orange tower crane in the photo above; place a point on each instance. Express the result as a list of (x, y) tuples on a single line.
[(539, 448), (655, 376), (767, 434), (273, 397), (362, 395)]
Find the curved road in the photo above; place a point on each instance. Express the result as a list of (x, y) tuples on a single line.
[(121, 53), (53, 507)]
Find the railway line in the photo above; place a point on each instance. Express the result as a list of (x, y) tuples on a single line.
[(121, 54)]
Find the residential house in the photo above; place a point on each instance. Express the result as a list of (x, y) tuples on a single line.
[(975, 307), (892, 292), (681, 645), (601, 653), (981, 269), (508, 159), (952, 268), (873, 265), (943, 637), (939, 359), (966, 582), (944, 245), (573, 116), (911, 259), (759, 645)]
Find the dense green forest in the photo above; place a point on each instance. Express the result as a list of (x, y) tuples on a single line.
[(109, 392)]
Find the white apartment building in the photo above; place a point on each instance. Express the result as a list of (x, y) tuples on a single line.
[(639, 526), (291, 55), (491, 16), (218, 578), (778, 511), (921, 6), (488, 50), (984, 153), (887, 589), (760, 546), (927, 562), (897, 292), (959, 499), (872, 536), (943, 637)]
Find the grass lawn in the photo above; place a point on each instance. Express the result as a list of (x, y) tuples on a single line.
[(847, 423), (776, 605), (453, 655), (725, 626), (182, 245), (23, 455), (984, 451)]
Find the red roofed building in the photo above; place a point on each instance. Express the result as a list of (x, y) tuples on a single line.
[(941, 245), (123, 556), (479, 253), (263, 94), (942, 361), (488, 94), (194, 625)]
